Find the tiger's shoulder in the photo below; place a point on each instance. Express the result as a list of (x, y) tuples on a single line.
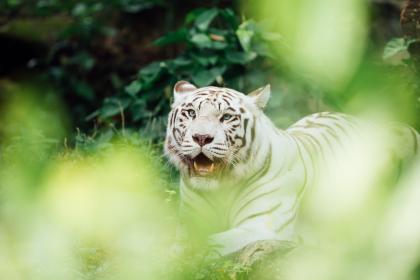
[(323, 120), (329, 130), (324, 132)]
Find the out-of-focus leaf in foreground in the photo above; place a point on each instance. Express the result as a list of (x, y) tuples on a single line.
[(65, 214), (325, 38)]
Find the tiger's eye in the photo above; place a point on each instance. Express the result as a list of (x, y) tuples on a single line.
[(191, 113), (226, 117)]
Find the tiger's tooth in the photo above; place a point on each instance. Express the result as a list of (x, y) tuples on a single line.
[(211, 167), (195, 165)]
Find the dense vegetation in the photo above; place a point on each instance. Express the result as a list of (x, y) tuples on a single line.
[(85, 89)]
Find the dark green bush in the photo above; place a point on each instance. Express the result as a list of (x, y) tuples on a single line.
[(218, 49), (90, 66)]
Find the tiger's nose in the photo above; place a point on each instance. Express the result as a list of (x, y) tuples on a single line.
[(202, 140)]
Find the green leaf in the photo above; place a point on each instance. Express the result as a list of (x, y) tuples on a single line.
[(221, 32), (113, 106), (212, 59), (396, 51), (201, 40), (240, 57), (83, 90), (181, 61), (137, 6), (13, 3), (206, 77), (205, 60), (92, 115), (138, 109), (150, 73), (192, 15), (219, 45), (245, 33), (116, 81), (133, 88), (80, 9), (172, 37), (108, 31), (174, 65), (150, 70), (270, 36), (205, 18), (84, 59), (230, 17)]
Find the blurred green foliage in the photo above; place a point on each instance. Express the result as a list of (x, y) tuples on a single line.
[(85, 192)]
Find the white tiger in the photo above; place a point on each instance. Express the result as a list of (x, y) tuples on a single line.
[(242, 178)]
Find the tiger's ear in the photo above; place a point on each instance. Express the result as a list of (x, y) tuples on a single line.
[(261, 96), (182, 88)]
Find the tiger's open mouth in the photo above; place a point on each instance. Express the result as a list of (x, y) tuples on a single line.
[(203, 166)]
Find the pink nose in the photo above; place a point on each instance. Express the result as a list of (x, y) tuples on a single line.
[(202, 139)]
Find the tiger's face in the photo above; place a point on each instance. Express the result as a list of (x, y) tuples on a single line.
[(210, 131)]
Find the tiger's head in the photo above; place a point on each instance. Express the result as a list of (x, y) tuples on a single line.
[(210, 131)]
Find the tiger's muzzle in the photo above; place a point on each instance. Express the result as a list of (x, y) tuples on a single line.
[(202, 166)]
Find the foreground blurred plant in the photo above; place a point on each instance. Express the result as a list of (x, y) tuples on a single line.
[(72, 214)]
